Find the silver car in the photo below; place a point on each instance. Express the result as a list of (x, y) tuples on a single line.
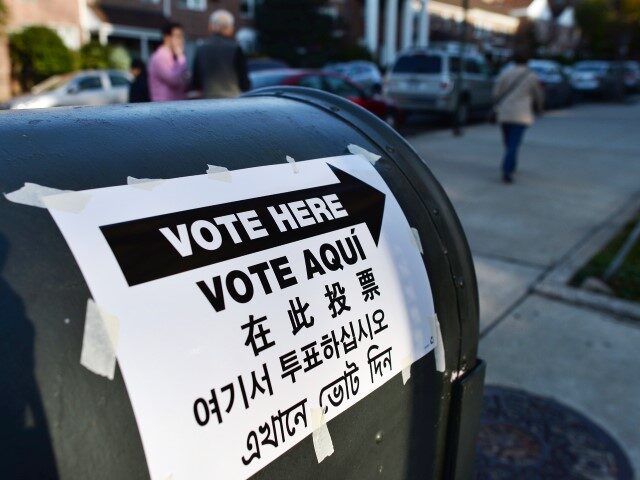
[(427, 80), (90, 87)]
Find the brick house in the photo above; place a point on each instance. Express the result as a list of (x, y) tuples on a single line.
[(63, 16), (5, 69), (136, 24)]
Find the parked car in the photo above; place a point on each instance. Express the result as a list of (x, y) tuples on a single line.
[(89, 87), (365, 74), (424, 80), (265, 63), (632, 76), (329, 82), (556, 84), (597, 77)]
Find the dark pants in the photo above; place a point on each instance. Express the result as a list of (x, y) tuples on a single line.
[(512, 134)]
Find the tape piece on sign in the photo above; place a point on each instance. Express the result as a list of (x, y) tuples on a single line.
[(322, 443), (371, 157), (31, 194), (438, 352), (72, 202), (144, 183), (99, 342), (416, 239), (293, 163), (218, 173), (406, 370)]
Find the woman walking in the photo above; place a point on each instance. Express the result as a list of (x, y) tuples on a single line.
[(518, 97)]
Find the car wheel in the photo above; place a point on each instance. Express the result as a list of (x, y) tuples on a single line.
[(571, 99)]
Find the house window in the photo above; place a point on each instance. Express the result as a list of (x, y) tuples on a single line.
[(199, 5)]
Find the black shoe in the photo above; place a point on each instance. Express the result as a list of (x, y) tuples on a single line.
[(507, 178)]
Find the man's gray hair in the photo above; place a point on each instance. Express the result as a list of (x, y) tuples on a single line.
[(221, 19)]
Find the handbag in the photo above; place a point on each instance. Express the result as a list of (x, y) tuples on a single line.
[(492, 117)]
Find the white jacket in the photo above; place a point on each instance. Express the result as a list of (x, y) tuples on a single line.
[(518, 105)]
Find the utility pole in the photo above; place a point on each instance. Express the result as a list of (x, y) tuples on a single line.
[(621, 50)]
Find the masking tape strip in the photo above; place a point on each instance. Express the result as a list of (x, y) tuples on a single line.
[(218, 173), (99, 342), (293, 163), (416, 239), (322, 443), (33, 195), (406, 370), (144, 183), (371, 157), (439, 350), (73, 202)]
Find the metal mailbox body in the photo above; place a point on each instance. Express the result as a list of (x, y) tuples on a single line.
[(62, 421)]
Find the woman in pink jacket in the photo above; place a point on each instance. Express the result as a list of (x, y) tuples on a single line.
[(168, 73)]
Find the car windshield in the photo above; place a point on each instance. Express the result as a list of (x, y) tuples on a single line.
[(591, 67), (51, 83), (418, 63), (268, 79), (337, 68), (542, 69)]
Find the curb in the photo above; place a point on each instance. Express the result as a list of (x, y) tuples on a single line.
[(555, 283)]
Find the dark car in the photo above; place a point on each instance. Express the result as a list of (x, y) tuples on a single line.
[(329, 82), (266, 63), (632, 76), (556, 83), (598, 77)]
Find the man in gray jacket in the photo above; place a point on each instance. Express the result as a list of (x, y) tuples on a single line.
[(219, 66)]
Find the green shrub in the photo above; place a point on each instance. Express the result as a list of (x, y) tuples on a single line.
[(36, 54), (119, 58), (94, 56)]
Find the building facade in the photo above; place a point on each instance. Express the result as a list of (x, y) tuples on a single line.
[(63, 16), (5, 69), (393, 25), (384, 27), (136, 24), (133, 24)]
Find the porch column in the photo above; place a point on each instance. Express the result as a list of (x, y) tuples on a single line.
[(407, 23), (144, 48), (371, 20), (390, 31), (423, 28)]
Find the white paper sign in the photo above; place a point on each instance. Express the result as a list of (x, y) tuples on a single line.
[(245, 303)]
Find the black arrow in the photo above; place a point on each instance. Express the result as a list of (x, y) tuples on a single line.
[(144, 254)]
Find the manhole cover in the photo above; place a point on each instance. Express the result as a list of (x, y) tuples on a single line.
[(524, 436)]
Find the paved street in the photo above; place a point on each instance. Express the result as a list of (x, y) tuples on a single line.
[(578, 167)]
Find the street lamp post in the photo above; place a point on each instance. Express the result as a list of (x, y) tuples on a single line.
[(459, 81)]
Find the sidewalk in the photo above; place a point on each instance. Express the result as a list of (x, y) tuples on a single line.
[(578, 167)]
